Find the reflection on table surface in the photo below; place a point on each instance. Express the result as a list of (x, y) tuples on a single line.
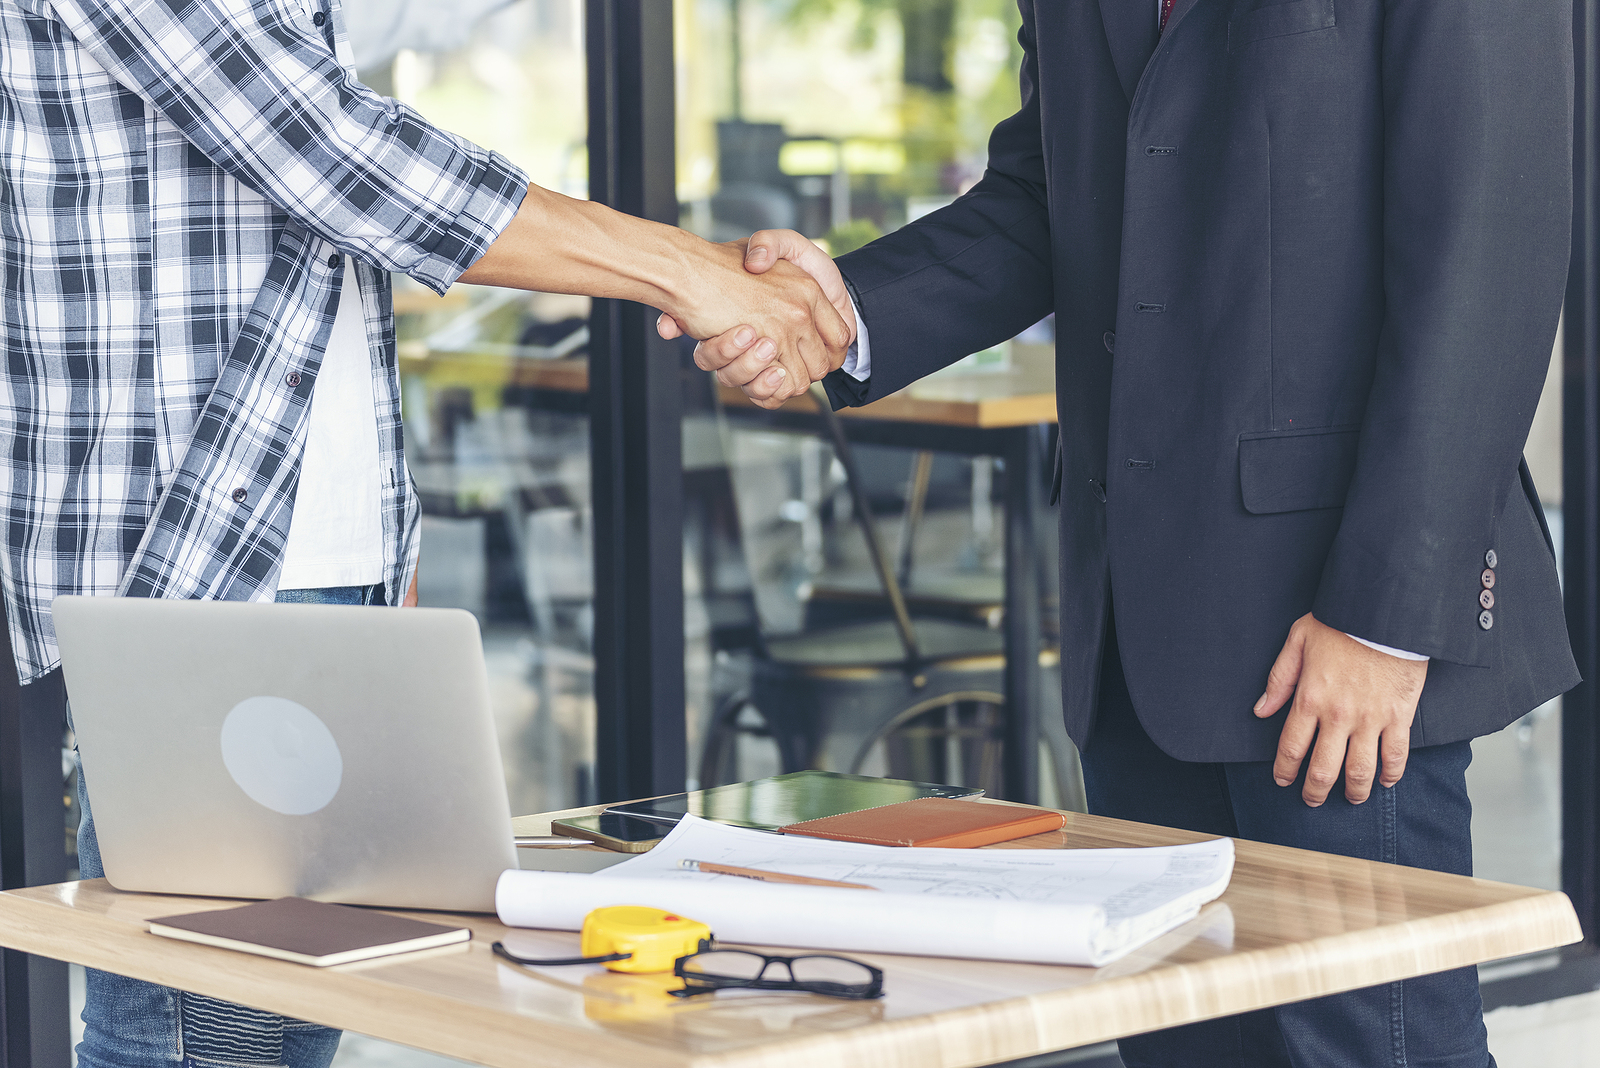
[(1293, 924)]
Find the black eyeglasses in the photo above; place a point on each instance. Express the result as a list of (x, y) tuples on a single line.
[(720, 969)]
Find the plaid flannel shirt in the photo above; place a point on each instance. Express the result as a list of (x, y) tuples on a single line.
[(179, 181)]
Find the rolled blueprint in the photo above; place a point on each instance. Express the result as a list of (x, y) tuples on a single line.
[(864, 921)]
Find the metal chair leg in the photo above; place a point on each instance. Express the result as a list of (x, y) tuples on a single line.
[(719, 756)]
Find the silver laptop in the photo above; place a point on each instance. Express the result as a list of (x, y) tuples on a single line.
[(266, 750)]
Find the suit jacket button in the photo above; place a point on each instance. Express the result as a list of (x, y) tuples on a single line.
[(1488, 578), (1490, 559), (1486, 619), (1110, 341), (1098, 488), (1486, 598)]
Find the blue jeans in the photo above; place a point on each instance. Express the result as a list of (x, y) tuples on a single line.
[(133, 1024), (1423, 821)]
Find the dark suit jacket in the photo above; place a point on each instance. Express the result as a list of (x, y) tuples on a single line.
[(1327, 241)]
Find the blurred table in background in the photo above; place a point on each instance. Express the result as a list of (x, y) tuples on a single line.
[(1006, 412)]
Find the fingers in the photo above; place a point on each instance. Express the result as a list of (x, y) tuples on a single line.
[(668, 327), (1360, 766), (1351, 716), (766, 247), (769, 390), (738, 358), (1396, 749), (746, 368), (741, 361), (1285, 674), (1299, 728), (732, 352), (836, 332), (822, 335), (805, 333), (1327, 760)]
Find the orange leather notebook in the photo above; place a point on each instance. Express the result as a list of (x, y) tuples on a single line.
[(932, 821)]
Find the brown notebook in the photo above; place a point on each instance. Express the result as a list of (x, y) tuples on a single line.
[(932, 821), (308, 932)]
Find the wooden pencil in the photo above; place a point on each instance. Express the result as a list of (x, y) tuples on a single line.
[(711, 868)]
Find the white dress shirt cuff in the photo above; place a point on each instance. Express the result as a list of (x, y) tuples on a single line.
[(858, 361), (1401, 653)]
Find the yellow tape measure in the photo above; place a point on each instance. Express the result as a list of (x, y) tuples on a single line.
[(653, 938)]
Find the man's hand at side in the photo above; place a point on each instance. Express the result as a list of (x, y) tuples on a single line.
[(739, 357), (1352, 710)]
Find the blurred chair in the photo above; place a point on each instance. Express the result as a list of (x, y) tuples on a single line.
[(739, 209), (911, 698), (977, 597)]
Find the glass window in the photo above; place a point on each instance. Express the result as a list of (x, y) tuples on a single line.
[(839, 118), (494, 384), (843, 119), (1515, 777)]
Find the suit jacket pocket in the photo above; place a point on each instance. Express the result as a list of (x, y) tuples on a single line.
[(1278, 20), (1293, 470)]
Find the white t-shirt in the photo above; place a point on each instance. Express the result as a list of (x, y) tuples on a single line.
[(336, 535)]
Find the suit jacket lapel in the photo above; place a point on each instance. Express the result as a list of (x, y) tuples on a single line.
[(1179, 9), (1132, 29), (1131, 32)]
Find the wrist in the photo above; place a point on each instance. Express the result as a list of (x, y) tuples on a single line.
[(646, 261), (681, 275)]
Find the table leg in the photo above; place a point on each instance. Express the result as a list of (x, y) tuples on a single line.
[(1023, 634)]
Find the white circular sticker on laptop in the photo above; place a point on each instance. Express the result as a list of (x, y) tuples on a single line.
[(281, 755)]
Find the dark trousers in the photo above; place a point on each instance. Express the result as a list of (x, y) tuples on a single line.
[(1423, 821)]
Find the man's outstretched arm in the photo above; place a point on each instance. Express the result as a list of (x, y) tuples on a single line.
[(556, 244)]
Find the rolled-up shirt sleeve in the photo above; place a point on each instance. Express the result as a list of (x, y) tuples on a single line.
[(256, 87)]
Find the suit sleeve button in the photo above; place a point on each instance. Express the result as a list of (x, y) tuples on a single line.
[(1486, 619), (1490, 559), (1486, 598), (1488, 578)]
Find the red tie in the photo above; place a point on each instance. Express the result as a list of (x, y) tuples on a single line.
[(1166, 12)]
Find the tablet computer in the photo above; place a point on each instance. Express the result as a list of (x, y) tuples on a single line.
[(770, 803)]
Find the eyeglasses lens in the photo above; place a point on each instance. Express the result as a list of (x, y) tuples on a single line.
[(726, 964), (830, 972)]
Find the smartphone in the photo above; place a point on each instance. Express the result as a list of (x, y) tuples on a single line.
[(625, 834)]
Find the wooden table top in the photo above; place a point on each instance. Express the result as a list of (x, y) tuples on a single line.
[(1293, 924), (1022, 395)]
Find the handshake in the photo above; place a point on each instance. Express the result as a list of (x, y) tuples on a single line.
[(772, 313), (794, 318)]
